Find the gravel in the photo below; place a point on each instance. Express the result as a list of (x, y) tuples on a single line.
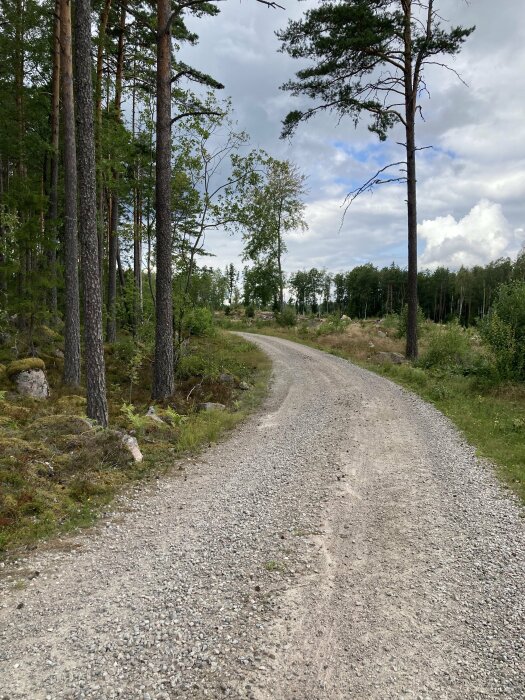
[(343, 543)]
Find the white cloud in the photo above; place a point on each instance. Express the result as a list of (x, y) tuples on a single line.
[(484, 234), (478, 132)]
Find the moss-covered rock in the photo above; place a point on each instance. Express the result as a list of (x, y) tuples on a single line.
[(59, 424), (3, 369), (11, 410), (25, 365)]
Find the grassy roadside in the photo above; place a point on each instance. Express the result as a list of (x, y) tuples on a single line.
[(57, 473), (490, 414)]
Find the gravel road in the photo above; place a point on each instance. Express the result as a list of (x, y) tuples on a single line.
[(343, 543)]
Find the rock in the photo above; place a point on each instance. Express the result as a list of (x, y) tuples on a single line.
[(131, 444), (396, 358), (32, 383), (344, 317), (57, 352), (244, 386), (226, 378), (29, 377), (381, 334), (211, 406), (151, 413)]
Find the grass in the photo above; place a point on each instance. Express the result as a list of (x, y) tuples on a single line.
[(57, 474), (491, 414)]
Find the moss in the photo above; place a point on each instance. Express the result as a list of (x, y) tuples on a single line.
[(61, 424), (13, 411), (25, 365), (3, 369), (72, 403), (16, 447)]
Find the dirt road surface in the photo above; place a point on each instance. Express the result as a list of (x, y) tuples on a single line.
[(343, 543)]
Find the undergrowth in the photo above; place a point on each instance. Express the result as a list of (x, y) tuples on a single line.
[(58, 473)]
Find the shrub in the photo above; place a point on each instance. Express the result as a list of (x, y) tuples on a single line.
[(448, 348), (287, 317), (249, 311), (199, 321), (504, 330)]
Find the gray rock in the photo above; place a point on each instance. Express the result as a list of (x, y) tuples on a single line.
[(151, 413), (226, 378), (396, 358), (244, 386), (32, 383), (211, 406), (131, 444)]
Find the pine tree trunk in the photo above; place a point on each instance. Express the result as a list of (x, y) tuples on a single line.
[(104, 16), (72, 296), (111, 326), (95, 370), (52, 213), (111, 329), (410, 116), (163, 376)]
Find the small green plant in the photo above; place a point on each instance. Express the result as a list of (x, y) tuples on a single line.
[(287, 318), (274, 566), (173, 417), (199, 322), (136, 421), (448, 348)]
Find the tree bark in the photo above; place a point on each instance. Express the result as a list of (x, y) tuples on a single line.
[(163, 374), (72, 296), (410, 117), (111, 330), (95, 370), (52, 213), (104, 16)]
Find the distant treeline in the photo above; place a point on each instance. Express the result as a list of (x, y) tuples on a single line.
[(366, 290)]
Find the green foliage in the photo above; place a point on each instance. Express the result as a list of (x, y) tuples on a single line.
[(249, 311), (199, 322), (447, 347), (504, 330), (287, 317), (403, 321)]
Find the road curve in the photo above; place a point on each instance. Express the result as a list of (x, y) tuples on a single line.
[(343, 543)]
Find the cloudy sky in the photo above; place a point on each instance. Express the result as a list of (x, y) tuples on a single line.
[(471, 184)]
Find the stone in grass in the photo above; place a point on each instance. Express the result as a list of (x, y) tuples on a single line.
[(153, 415), (396, 358), (29, 377), (211, 406), (244, 386), (226, 378), (131, 444)]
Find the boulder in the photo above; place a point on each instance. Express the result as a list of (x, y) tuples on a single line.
[(151, 413), (132, 446), (211, 406), (396, 358), (29, 377), (244, 386)]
